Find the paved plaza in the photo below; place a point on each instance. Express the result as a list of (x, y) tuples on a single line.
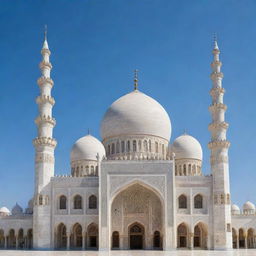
[(129, 253)]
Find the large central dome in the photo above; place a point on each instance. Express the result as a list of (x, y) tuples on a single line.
[(136, 114)]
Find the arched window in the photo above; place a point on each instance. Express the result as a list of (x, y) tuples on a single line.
[(156, 146), (77, 202), (145, 144), (198, 202), (92, 202), (182, 202), (113, 148), (184, 170), (108, 149), (118, 147), (92, 170), (134, 146), (63, 202), (115, 240), (128, 145), (96, 171), (122, 146), (40, 200)]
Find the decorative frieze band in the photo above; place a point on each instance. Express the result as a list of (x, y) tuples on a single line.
[(216, 63), (45, 119), (220, 199), (217, 106), (217, 90), (45, 98), (45, 51), (47, 141), (219, 143), (44, 158), (216, 75), (44, 64), (44, 80), (213, 126)]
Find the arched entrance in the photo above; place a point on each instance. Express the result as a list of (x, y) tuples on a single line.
[(250, 238), (241, 238), (61, 236), (182, 236), (136, 236), (115, 240), (21, 241), (200, 236), (157, 240), (30, 239), (12, 239), (234, 238), (77, 236), (92, 234), (2, 240), (141, 204)]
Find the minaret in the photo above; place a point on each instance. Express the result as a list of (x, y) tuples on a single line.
[(222, 235), (44, 145)]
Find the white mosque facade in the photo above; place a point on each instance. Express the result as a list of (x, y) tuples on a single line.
[(134, 189)]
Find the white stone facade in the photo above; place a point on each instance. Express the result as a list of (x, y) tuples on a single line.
[(133, 190)]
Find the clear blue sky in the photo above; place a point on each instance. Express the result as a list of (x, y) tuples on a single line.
[(95, 47)]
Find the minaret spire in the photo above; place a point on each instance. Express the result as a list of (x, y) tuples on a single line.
[(44, 145), (219, 158)]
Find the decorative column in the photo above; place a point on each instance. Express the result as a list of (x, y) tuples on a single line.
[(219, 158), (83, 242), (68, 240), (191, 241), (5, 242), (246, 240), (44, 145)]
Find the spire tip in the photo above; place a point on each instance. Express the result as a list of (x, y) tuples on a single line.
[(136, 79)]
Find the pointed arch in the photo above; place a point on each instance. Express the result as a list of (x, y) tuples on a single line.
[(77, 236), (182, 201), (61, 239), (30, 239), (200, 235), (250, 238), (182, 235), (2, 238), (92, 236), (12, 239), (115, 240), (21, 241), (241, 234), (136, 236)]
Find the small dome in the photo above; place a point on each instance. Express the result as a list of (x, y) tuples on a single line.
[(87, 148), (136, 114), (186, 146), (4, 211), (17, 209), (235, 209), (249, 206)]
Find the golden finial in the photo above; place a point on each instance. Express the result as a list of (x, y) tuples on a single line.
[(45, 32), (136, 79)]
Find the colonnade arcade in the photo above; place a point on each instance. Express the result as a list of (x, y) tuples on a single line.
[(244, 238), (77, 237), (196, 238), (137, 219), (16, 239)]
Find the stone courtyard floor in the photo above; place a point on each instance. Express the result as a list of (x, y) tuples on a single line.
[(130, 253)]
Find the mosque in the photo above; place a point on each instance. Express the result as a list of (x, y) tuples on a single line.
[(133, 189)]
